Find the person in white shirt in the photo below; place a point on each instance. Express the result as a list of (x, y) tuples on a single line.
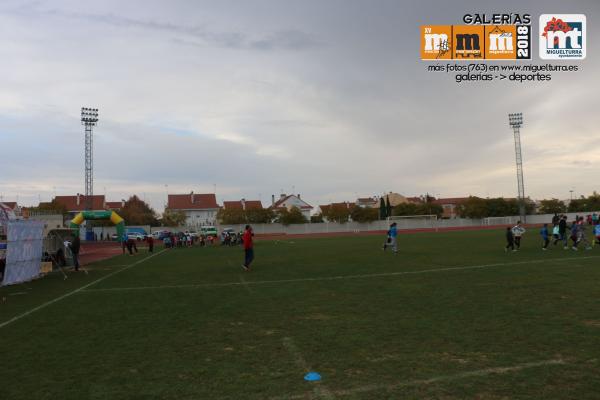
[(518, 231)]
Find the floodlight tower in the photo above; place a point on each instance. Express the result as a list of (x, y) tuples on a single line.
[(515, 121), (89, 119)]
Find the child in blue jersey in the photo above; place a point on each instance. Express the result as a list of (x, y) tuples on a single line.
[(544, 234), (392, 236), (556, 233), (597, 233)]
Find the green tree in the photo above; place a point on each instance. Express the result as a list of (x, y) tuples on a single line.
[(473, 207), (173, 218), (137, 212), (552, 206), (52, 207), (338, 213), (260, 215), (232, 216), (428, 209), (240, 216), (406, 209), (593, 202), (317, 219), (291, 216), (388, 207), (500, 207), (360, 214), (382, 209), (577, 205)]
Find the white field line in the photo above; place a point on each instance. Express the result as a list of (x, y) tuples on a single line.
[(245, 283), (339, 277), (64, 296), (319, 390), (429, 381)]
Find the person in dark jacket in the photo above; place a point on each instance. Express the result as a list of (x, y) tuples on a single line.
[(150, 241), (562, 232), (75, 247), (510, 240)]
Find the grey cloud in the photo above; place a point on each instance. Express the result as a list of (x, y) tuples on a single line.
[(291, 39)]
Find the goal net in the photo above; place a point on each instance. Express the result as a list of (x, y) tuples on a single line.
[(414, 221), (491, 221)]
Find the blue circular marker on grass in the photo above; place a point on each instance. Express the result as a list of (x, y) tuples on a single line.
[(312, 376)]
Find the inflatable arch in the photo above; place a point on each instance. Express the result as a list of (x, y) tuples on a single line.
[(85, 215)]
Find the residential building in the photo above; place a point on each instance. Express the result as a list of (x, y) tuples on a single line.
[(395, 199), (77, 203), (325, 209), (114, 205), (242, 204), (450, 206), (415, 200), (289, 201), (367, 202), (199, 209)]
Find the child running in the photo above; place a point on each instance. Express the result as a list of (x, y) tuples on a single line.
[(510, 240), (544, 234), (555, 233), (392, 240)]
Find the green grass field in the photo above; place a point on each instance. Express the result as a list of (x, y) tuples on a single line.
[(452, 316)]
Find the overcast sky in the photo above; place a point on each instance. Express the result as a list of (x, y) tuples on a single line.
[(324, 98)]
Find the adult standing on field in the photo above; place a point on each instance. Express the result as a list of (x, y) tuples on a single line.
[(248, 248), (75, 247), (150, 241), (518, 231)]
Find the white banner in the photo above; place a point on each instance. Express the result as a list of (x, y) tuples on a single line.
[(24, 253)]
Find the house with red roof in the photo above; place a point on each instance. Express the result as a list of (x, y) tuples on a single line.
[(243, 204), (114, 205), (367, 202), (341, 207), (289, 201), (199, 209), (77, 203), (450, 206)]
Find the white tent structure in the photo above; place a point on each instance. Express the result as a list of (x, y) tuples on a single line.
[(21, 244)]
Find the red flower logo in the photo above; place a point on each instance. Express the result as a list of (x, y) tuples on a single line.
[(556, 25)]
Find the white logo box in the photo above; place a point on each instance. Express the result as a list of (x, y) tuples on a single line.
[(572, 37)]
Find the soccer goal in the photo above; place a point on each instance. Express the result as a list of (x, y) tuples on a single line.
[(491, 221), (415, 221)]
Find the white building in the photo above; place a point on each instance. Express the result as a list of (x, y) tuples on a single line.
[(199, 209), (289, 201)]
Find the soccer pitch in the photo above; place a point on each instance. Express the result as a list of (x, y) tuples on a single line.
[(452, 316)]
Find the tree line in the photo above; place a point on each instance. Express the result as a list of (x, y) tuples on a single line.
[(137, 212)]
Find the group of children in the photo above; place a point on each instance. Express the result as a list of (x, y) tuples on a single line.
[(231, 238), (182, 239), (560, 227), (513, 237)]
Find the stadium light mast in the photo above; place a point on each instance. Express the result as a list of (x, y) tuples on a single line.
[(89, 119), (515, 121)]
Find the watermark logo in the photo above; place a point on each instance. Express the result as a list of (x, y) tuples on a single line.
[(475, 42), (562, 36), (436, 42)]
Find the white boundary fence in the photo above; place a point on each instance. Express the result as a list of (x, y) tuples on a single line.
[(402, 224), (355, 227)]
